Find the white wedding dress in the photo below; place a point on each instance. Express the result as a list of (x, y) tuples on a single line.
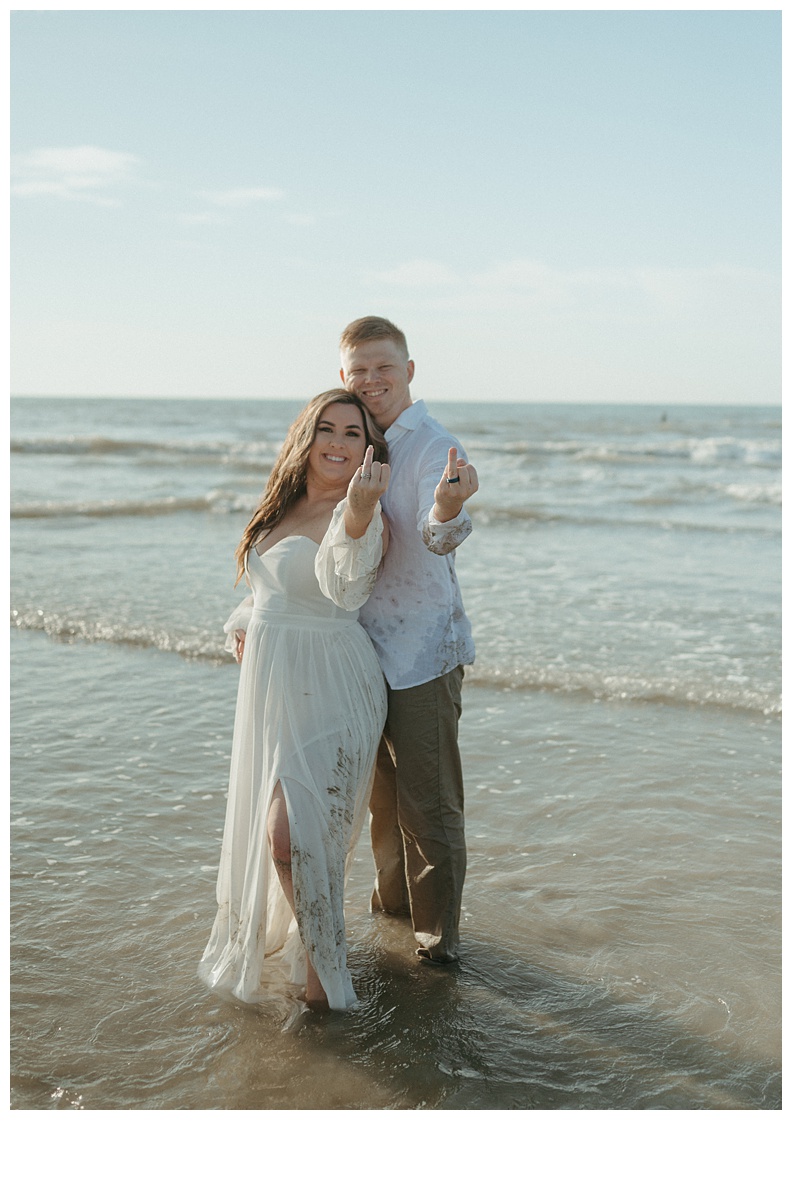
[(310, 710)]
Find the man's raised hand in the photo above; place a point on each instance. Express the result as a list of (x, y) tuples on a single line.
[(457, 484)]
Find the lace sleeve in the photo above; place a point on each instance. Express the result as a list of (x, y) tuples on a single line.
[(239, 619), (346, 567)]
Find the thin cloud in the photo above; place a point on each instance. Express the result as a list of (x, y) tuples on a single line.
[(201, 218), (420, 272), (72, 173), (530, 283), (242, 197)]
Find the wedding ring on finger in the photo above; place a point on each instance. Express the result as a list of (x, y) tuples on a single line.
[(366, 476), (454, 480)]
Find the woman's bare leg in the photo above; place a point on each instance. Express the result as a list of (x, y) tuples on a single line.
[(280, 848)]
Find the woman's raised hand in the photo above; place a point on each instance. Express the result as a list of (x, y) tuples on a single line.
[(367, 485), (365, 488)]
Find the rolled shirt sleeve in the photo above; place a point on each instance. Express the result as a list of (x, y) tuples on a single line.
[(441, 537)]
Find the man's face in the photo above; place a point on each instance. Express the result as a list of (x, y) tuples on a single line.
[(380, 374)]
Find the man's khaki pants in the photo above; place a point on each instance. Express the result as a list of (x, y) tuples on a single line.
[(417, 814)]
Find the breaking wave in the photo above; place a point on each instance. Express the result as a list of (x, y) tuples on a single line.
[(207, 645), (218, 500), (590, 685)]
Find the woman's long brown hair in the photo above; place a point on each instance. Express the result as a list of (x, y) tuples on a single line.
[(287, 481)]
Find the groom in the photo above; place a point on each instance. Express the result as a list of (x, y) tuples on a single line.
[(422, 636)]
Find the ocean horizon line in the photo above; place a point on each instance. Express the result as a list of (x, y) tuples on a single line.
[(159, 399)]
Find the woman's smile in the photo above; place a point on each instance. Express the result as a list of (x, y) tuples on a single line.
[(339, 444)]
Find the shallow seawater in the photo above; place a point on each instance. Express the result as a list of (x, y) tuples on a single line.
[(621, 747), (620, 943)]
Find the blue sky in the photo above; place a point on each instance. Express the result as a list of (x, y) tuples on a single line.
[(554, 205)]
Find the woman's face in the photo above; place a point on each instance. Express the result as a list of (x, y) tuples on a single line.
[(339, 445)]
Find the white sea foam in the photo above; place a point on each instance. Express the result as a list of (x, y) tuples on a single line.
[(629, 689), (220, 500), (732, 691)]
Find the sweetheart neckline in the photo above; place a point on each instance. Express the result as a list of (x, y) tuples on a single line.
[(290, 537)]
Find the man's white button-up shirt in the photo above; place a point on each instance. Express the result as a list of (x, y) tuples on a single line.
[(414, 616)]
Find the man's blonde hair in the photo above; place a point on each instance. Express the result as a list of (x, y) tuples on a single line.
[(367, 329)]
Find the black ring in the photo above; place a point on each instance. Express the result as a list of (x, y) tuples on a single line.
[(454, 480)]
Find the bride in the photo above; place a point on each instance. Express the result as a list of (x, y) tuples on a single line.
[(310, 710)]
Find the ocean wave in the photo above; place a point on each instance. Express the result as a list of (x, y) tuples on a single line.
[(683, 491), (703, 450), (73, 628), (749, 493), (491, 514), (218, 500), (239, 453), (225, 500), (685, 693), (73, 444), (707, 451), (207, 646)]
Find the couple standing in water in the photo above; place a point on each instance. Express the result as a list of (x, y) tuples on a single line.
[(352, 650)]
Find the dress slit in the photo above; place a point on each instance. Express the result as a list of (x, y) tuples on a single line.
[(310, 709)]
